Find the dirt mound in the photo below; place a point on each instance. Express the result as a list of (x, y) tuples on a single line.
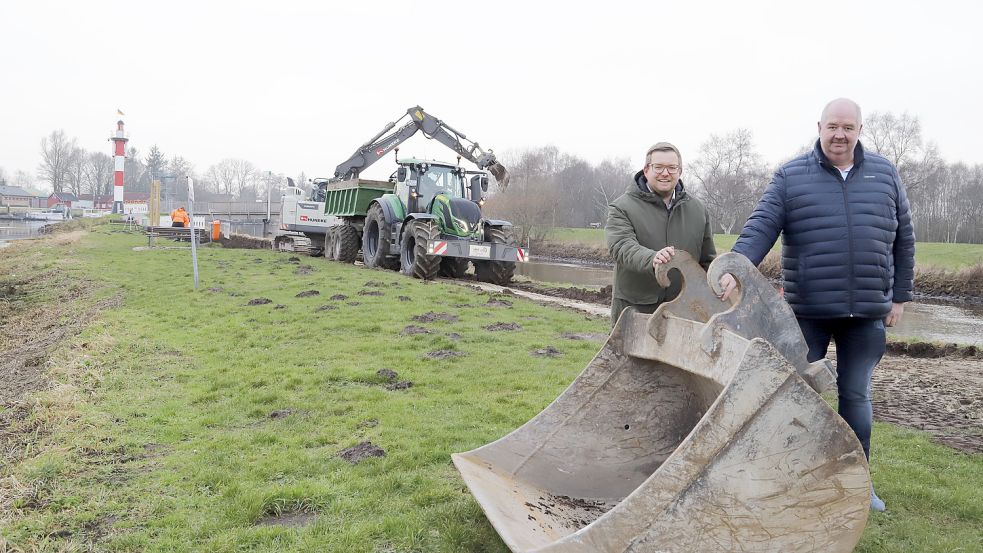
[(431, 316), (413, 330), (548, 351), (308, 293), (933, 351), (502, 326), (387, 374), (242, 241), (360, 452), (325, 307), (572, 252), (259, 301), (497, 302), (400, 385), (303, 270), (444, 354), (370, 293), (338, 297)]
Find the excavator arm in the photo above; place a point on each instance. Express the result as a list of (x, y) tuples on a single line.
[(433, 128)]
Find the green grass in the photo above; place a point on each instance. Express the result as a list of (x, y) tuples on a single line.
[(927, 254), (159, 436)]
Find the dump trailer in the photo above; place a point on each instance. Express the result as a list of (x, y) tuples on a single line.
[(425, 222), (698, 428)]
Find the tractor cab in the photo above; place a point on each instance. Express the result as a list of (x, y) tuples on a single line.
[(450, 193)]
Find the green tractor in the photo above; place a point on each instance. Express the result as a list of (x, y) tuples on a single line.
[(426, 219)]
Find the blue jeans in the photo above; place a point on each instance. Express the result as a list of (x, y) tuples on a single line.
[(860, 344)]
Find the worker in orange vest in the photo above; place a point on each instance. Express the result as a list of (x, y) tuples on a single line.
[(179, 218)]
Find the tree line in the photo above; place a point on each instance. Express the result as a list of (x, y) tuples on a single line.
[(550, 188), (67, 167)]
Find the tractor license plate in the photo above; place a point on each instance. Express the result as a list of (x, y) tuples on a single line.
[(479, 251)]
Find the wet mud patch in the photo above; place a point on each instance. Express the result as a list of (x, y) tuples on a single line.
[(498, 327), (259, 301), (287, 520), (548, 351), (370, 293), (413, 330), (602, 296), (589, 336), (338, 297), (443, 354), (360, 452), (942, 396), (568, 511), (431, 316), (308, 294)]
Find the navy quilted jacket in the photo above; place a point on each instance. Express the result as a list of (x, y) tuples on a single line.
[(848, 247)]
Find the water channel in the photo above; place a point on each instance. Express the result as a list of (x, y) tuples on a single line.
[(19, 229), (935, 321)]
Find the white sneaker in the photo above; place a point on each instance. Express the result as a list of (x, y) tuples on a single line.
[(876, 503)]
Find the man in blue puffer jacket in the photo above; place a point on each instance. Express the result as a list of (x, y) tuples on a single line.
[(848, 254)]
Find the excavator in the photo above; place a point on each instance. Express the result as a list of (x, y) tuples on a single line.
[(425, 220), (698, 428)]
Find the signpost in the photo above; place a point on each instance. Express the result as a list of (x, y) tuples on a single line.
[(191, 224)]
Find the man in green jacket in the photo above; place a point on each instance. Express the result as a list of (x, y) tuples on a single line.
[(645, 227)]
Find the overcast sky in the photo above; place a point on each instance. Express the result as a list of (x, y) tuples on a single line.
[(296, 86)]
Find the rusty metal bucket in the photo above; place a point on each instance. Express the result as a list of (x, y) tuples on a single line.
[(696, 429)]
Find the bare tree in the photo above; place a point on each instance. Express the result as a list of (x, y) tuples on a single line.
[(56, 154), (730, 177), (611, 178), (231, 176), (23, 179), (75, 176), (99, 168), (899, 139)]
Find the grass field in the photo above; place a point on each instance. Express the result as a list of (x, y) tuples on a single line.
[(927, 254), (185, 420)]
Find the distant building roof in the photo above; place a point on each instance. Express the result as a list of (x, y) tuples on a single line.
[(65, 196), (13, 191)]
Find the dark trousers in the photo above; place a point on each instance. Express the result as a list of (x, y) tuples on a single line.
[(860, 344), (177, 224)]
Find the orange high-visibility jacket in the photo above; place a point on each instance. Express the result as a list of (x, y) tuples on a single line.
[(180, 216)]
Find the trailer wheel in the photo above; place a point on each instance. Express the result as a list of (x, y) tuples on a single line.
[(330, 238), (453, 267), (346, 244), (413, 257), (496, 272), (375, 240)]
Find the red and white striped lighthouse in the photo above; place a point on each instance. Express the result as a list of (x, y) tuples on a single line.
[(119, 151)]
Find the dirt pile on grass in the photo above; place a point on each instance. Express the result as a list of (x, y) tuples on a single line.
[(243, 241)]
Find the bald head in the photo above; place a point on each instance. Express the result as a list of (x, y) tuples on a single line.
[(839, 105)]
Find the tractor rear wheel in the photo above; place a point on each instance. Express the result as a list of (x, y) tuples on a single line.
[(496, 272), (413, 257), (375, 240)]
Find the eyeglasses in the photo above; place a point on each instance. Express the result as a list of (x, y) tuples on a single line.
[(673, 169)]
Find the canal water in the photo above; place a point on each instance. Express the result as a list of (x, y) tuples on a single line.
[(934, 321), (18, 229)]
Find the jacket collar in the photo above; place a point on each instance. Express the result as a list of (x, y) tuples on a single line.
[(858, 155)]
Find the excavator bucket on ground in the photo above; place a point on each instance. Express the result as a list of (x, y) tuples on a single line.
[(696, 429)]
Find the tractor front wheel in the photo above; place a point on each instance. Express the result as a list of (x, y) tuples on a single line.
[(413, 257)]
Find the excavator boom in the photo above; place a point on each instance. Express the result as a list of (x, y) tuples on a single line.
[(382, 143)]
